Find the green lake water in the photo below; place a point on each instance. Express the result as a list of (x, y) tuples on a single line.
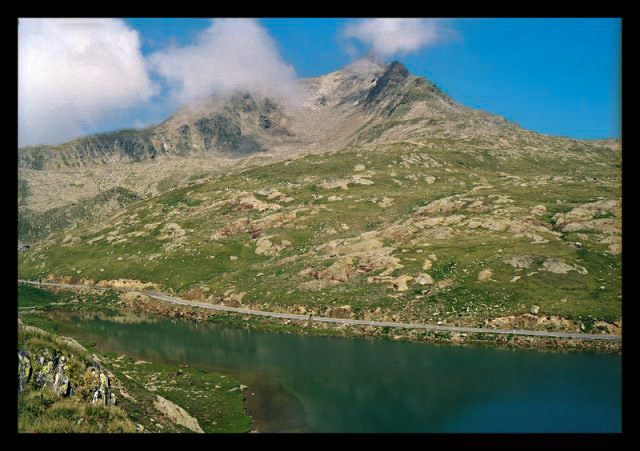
[(335, 384)]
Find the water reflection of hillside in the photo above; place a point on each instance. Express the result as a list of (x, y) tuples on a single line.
[(365, 385), (119, 318)]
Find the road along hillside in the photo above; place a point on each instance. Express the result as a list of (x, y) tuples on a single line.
[(430, 327)]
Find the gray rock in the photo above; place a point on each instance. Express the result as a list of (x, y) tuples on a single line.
[(103, 393), (424, 279), (61, 384), (521, 261), (24, 369), (46, 375)]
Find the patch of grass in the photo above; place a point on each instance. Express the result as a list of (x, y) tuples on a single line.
[(31, 296), (44, 412), (204, 394)]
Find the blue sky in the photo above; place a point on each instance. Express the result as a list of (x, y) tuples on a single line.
[(554, 76)]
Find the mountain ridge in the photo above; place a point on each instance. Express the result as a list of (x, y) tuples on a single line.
[(242, 124)]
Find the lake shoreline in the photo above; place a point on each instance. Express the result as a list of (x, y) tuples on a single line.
[(140, 302), (264, 418), (297, 377), (149, 305)]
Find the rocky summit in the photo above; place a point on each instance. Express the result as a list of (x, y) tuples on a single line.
[(370, 194)]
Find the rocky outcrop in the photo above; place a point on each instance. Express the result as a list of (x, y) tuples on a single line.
[(264, 246), (424, 279), (557, 266), (177, 414), (127, 283), (343, 311), (345, 182), (61, 383), (65, 372), (397, 283), (366, 249), (522, 261), (24, 370), (100, 386)]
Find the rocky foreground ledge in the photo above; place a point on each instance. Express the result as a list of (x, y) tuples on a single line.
[(63, 387)]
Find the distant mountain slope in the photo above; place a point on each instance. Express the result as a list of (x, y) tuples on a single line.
[(331, 110), (34, 226)]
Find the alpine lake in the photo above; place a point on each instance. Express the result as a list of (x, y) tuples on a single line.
[(307, 383)]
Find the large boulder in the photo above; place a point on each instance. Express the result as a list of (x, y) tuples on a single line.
[(61, 384), (102, 394), (46, 375), (177, 414), (53, 374), (424, 279)]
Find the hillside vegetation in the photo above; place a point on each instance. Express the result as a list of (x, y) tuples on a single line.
[(514, 229)]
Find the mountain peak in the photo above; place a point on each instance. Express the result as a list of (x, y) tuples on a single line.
[(397, 69), (393, 77)]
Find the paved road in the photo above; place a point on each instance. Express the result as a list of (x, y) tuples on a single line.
[(432, 327)]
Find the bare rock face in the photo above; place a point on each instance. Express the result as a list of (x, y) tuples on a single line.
[(61, 383), (340, 271), (485, 275), (538, 210), (367, 248), (400, 283), (343, 312), (252, 203), (24, 370), (523, 261), (264, 246), (424, 279), (557, 266), (446, 283)]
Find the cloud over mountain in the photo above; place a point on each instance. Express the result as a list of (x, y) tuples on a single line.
[(73, 73), (232, 54), (388, 37)]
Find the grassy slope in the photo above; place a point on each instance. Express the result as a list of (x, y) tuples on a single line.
[(583, 173), (34, 226)]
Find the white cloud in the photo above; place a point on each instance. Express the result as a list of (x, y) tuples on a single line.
[(232, 54), (388, 37), (72, 73)]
